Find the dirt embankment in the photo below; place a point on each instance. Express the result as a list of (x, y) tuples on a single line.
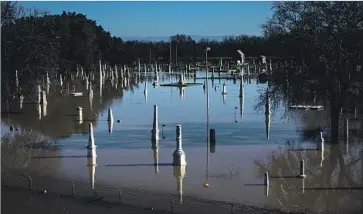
[(17, 201)]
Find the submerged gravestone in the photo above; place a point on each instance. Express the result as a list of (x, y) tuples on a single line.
[(155, 130), (179, 154)]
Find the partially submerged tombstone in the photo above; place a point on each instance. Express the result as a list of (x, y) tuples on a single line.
[(155, 130)]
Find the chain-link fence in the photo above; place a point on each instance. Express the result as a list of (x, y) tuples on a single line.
[(145, 199)]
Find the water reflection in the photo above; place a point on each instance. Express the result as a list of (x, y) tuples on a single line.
[(267, 114), (339, 168), (322, 187), (179, 174), (110, 120), (241, 99), (17, 150), (39, 109), (182, 92), (58, 105), (155, 148), (92, 163), (155, 130)]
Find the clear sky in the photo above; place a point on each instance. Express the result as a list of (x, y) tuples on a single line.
[(168, 18)]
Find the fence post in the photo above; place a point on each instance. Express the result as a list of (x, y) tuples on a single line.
[(119, 195), (73, 189), (172, 204), (30, 182)]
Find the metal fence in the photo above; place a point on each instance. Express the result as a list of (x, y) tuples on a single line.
[(145, 199)]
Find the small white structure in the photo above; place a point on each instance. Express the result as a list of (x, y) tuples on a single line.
[(110, 120), (116, 72), (80, 114), (44, 97), (155, 84), (109, 114), (76, 94), (155, 130), (307, 107), (21, 100), (87, 83), (16, 79), (302, 169), (82, 73), (101, 85), (179, 154), (39, 91), (91, 148), (321, 142), (321, 148), (263, 59), (266, 183), (48, 87), (181, 79), (44, 103), (48, 80), (224, 89), (145, 88), (90, 95), (60, 80), (100, 70), (39, 109), (242, 57), (266, 180)]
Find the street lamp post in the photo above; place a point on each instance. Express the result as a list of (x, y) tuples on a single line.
[(206, 185)]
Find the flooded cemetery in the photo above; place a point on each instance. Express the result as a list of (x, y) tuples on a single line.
[(229, 134), (269, 120)]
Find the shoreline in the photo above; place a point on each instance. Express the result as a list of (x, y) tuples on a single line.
[(36, 202), (143, 200), (119, 168)]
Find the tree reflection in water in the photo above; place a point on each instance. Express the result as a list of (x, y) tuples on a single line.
[(338, 170), (17, 150), (20, 147)]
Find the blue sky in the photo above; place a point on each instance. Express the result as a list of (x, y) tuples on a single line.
[(149, 19)]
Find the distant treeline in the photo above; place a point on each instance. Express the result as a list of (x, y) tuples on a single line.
[(325, 35), (36, 39)]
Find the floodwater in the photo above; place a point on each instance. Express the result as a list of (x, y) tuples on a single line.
[(244, 150)]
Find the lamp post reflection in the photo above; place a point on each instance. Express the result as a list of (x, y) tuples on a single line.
[(206, 184), (162, 131), (235, 114)]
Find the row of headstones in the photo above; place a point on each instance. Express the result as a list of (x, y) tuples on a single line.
[(178, 155)]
